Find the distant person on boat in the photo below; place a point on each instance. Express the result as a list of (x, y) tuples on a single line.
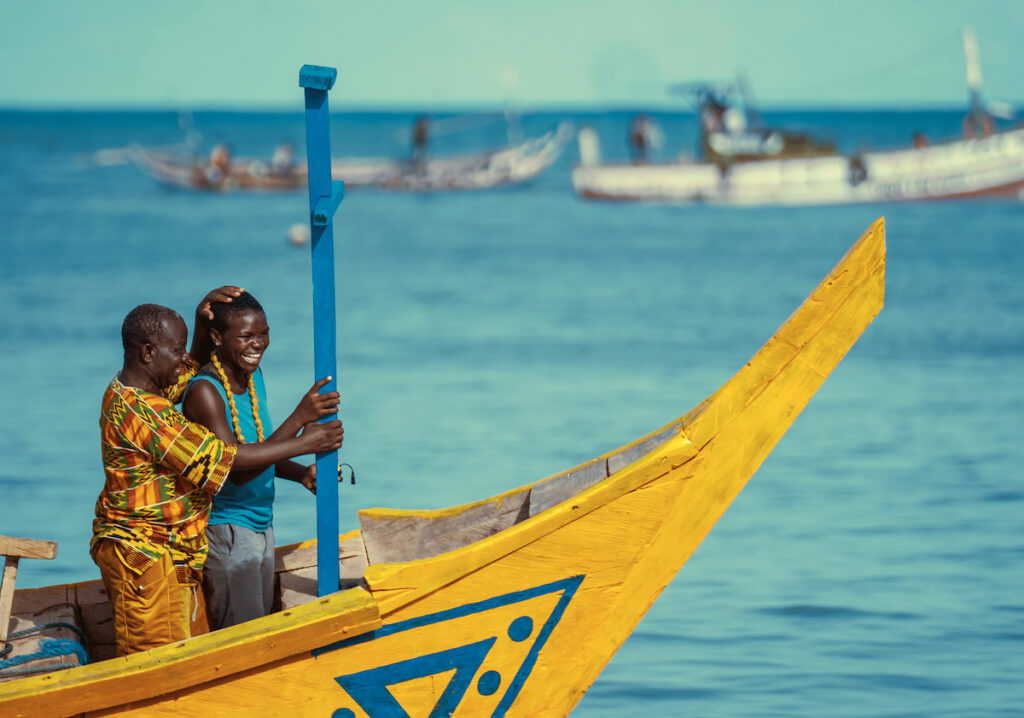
[(712, 114), (420, 135), (283, 159), (978, 124), (149, 535), (644, 135), (712, 122), (218, 167), (228, 396)]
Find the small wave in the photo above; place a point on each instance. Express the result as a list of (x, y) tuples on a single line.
[(1013, 608), (671, 637), (904, 682), (814, 611), (1000, 497), (648, 693)]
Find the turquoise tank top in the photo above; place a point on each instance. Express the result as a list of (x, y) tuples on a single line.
[(251, 504)]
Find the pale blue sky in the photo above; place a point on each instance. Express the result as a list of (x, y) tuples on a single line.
[(437, 53)]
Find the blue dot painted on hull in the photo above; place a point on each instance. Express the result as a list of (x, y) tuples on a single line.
[(520, 629), (488, 683), (343, 713)]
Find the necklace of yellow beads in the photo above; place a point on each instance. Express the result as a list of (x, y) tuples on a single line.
[(231, 401)]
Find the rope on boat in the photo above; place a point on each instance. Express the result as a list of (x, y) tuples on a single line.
[(47, 649)]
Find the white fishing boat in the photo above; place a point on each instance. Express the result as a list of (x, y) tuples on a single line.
[(987, 167), (745, 164)]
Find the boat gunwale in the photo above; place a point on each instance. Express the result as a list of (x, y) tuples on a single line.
[(226, 652)]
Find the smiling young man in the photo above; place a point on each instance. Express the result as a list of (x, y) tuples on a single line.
[(228, 396), (149, 535)]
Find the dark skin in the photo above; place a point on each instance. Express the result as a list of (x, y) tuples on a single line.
[(240, 347), (158, 363)]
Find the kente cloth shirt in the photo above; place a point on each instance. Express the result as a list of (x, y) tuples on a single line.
[(250, 504), (161, 472)]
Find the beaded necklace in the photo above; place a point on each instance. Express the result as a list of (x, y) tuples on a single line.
[(231, 402)]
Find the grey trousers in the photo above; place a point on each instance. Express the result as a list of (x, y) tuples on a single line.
[(238, 579)]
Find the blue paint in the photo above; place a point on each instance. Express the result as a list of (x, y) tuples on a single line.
[(369, 688), (324, 199), (520, 629), (489, 683), (343, 713), (327, 206), (542, 637), (317, 77)]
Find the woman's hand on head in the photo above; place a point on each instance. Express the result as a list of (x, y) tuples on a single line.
[(221, 294)]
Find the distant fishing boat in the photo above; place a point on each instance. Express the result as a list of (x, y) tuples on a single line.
[(743, 163), (510, 606), (483, 170)]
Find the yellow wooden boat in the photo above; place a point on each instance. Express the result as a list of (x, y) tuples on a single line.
[(510, 606)]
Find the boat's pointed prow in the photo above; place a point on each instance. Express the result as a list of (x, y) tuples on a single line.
[(817, 335), (637, 515)]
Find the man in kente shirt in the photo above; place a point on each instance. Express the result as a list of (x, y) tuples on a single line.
[(149, 535)]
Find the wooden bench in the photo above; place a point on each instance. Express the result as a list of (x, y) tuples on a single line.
[(42, 640), (14, 549)]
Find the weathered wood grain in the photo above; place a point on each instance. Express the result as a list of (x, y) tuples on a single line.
[(27, 548), (10, 575), (297, 573)]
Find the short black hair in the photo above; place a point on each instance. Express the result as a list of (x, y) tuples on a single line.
[(244, 302), (145, 323)]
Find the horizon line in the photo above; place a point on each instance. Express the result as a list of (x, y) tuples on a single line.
[(472, 107)]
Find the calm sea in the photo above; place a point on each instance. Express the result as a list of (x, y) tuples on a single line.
[(873, 567)]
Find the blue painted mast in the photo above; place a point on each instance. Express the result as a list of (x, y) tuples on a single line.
[(324, 198)]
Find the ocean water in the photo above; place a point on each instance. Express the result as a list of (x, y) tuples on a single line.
[(873, 565)]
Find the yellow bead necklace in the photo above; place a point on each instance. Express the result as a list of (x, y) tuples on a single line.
[(231, 401)]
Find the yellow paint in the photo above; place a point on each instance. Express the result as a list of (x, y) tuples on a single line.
[(600, 559), (191, 662)]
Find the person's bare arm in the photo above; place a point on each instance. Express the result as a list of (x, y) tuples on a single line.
[(203, 404)]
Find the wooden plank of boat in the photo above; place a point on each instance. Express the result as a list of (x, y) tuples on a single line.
[(989, 166), (508, 606)]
